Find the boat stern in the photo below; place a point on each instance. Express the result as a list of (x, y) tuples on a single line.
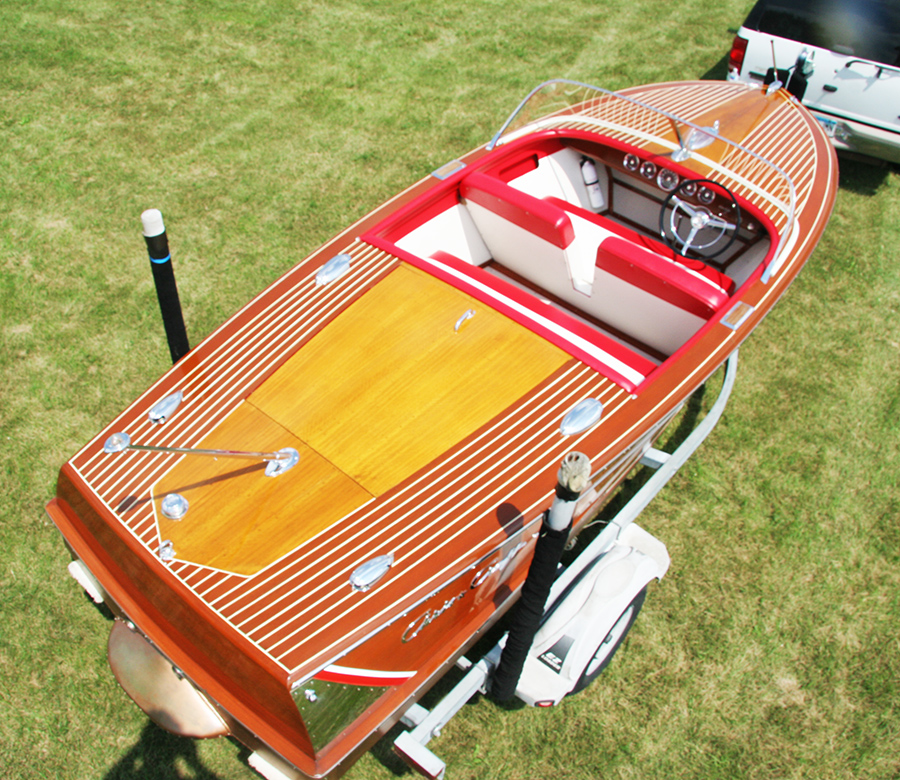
[(189, 673)]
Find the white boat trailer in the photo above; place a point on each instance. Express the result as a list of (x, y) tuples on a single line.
[(592, 604)]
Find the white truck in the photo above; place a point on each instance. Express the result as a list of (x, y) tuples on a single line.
[(841, 58)]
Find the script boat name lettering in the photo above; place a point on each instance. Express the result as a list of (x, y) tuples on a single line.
[(430, 615)]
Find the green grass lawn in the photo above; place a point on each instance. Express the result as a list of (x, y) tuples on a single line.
[(771, 648)]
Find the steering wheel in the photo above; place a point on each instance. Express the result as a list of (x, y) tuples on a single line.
[(691, 226)]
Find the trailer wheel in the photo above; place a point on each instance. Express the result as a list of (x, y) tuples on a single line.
[(607, 649)]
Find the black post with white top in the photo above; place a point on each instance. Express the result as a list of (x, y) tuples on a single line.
[(164, 278)]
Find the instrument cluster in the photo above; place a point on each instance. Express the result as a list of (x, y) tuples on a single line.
[(667, 180)]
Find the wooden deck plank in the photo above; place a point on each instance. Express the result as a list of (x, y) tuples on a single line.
[(387, 387), (241, 520)]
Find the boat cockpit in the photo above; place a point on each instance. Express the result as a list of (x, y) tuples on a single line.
[(593, 233), (619, 252)]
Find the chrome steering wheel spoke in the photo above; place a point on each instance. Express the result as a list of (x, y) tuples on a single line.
[(708, 234)]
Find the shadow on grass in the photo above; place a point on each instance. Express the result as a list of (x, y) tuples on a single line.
[(862, 175), (383, 752), (159, 755), (719, 71)]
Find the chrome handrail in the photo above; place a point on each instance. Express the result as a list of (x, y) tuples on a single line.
[(880, 66)]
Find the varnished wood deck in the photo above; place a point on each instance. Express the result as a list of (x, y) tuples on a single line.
[(241, 520), (377, 395), (388, 387)]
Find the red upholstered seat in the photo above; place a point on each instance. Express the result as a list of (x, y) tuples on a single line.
[(722, 281), (539, 217), (660, 277)]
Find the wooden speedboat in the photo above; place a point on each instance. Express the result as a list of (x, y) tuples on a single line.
[(409, 391)]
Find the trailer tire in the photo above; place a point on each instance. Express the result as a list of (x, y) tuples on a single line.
[(611, 642)]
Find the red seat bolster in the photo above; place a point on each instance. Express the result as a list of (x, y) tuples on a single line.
[(543, 219), (659, 277)]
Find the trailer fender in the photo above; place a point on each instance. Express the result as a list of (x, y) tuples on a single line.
[(581, 617)]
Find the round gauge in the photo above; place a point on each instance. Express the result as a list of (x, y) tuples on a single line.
[(648, 170), (706, 196), (667, 180), (689, 188), (632, 162)]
